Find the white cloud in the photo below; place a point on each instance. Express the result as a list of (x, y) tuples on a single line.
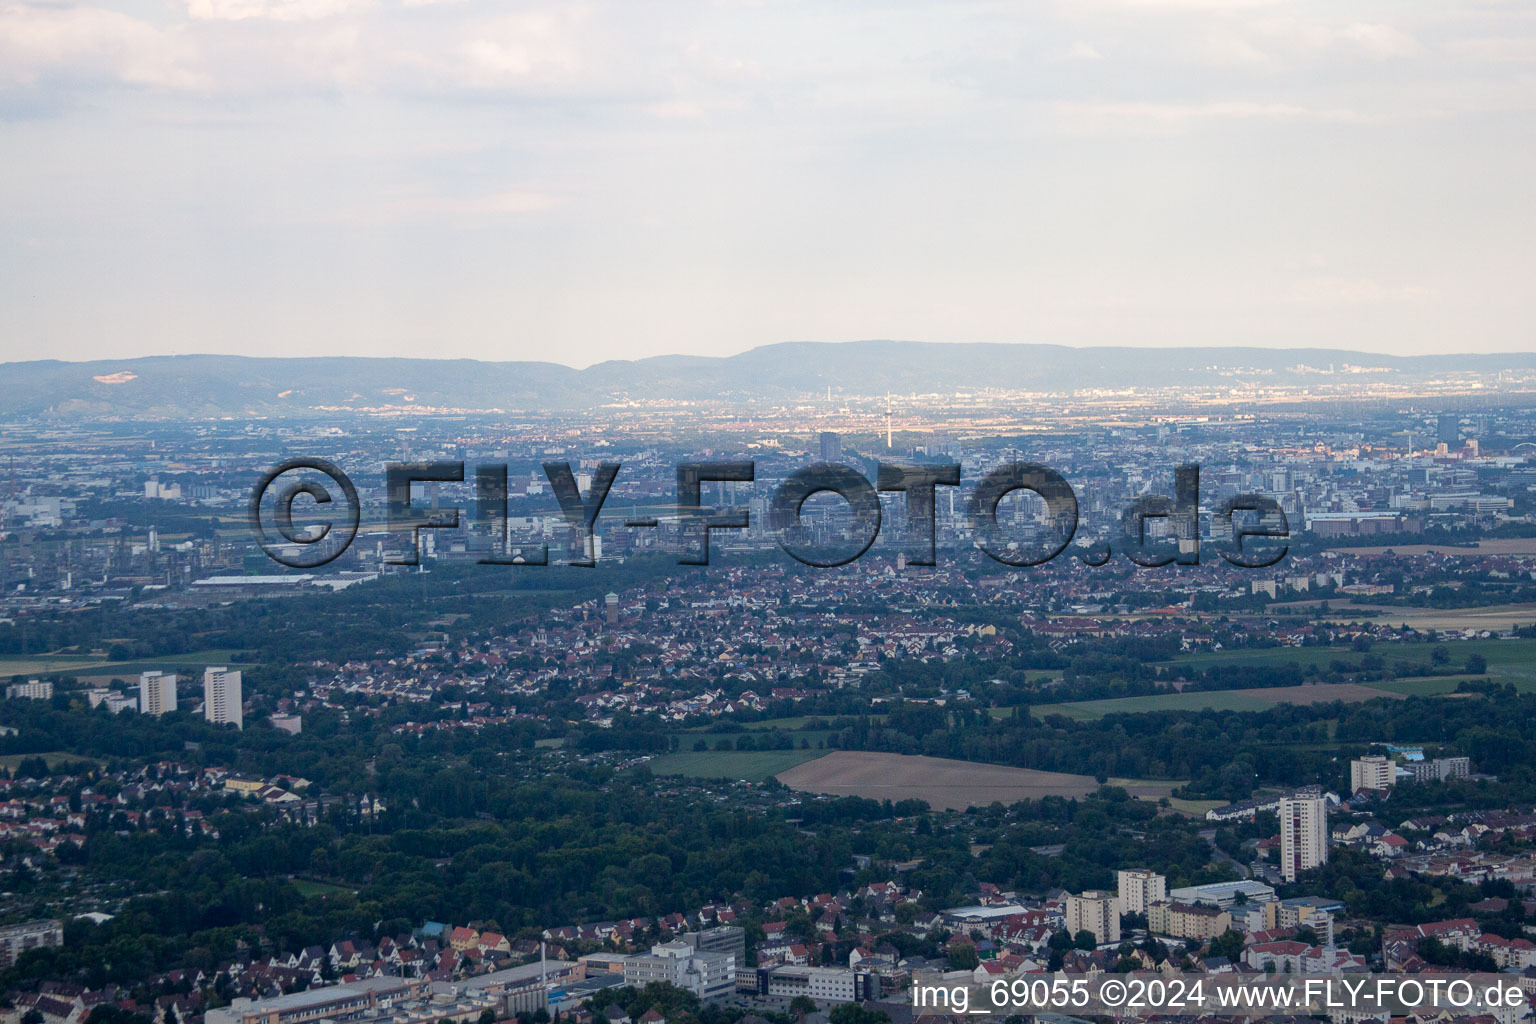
[(535, 45), (414, 203), (675, 110), (1185, 113), (1381, 42), (272, 10), (92, 43), (1505, 50)]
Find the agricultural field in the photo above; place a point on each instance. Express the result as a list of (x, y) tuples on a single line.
[(746, 765), (1194, 808), (43, 664), (1515, 658), (1478, 549), (790, 724), (99, 670), (53, 758), (1428, 686), (943, 783), (1259, 699), (1493, 618)]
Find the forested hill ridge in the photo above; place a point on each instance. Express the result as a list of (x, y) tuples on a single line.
[(214, 386)]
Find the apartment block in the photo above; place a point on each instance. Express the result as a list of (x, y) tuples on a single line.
[(1096, 912), (1440, 769), (1140, 888), (32, 689), (1373, 772), (222, 697), (16, 939), (157, 693), (1187, 920), (1303, 835)]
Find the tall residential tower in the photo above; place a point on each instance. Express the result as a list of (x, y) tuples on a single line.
[(222, 697), (1303, 834), (157, 693)]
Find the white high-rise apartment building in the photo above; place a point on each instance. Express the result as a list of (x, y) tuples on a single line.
[(1374, 772), (1303, 834), (32, 689), (1139, 888), (157, 693), (222, 697), (1096, 912)]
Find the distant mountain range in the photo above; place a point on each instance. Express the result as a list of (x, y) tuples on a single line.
[(211, 386)]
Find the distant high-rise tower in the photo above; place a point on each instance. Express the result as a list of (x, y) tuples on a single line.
[(222, 697), (1303, 835), (1448, 429), (157, 693), (611, 608), (831, 446)]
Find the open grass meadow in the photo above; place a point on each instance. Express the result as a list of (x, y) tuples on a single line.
[(95, 667), (746, 765), (1514, 658), (310, 889), (1258, 699), (53, 758)]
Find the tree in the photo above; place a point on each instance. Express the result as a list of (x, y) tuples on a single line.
[(853, 1013), (801, 1005), (963, 957), (1228, 944), (108, 1014), (1085, 940)]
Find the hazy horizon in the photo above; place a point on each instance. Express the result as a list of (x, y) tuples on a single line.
[(743, 351), (600, 181)]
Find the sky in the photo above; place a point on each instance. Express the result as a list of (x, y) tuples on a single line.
[(577, 182)]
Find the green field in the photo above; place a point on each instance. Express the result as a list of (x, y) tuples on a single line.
[(53, 757), (39, 664), (1514, 658), (790, 724), (794, 725), (309, 890), (1430, 686), (1083, 711), (750, 765), (1193, 808)]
